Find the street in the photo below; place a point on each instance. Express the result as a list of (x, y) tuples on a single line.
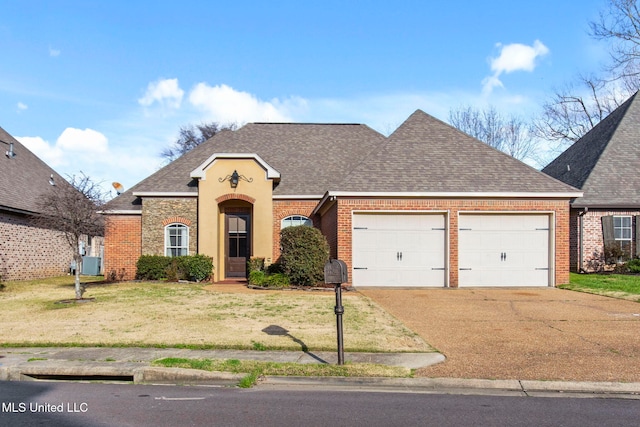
[(90, 404)]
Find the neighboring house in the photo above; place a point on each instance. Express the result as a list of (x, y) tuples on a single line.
[(426, 206), (604, 164), (26, 250)]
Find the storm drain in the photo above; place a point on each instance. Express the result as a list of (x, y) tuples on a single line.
[(90, 378)]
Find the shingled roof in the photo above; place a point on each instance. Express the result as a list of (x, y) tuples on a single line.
[(309, 157), (24, 179), (423, 155), (426, 155), (605, 162)]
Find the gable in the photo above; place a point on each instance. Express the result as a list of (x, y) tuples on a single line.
[(604, 162), (426, 155)]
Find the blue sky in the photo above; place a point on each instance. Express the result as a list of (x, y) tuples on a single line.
[(103, 86)]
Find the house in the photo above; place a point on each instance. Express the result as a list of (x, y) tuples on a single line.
[(27, 251), (426, 206), (604, 164)]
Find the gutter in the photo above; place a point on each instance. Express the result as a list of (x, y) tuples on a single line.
[(581, 241)]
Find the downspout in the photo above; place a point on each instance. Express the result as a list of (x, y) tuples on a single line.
[(580, 240)]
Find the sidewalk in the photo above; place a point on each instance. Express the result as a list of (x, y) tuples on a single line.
[(134, 365)]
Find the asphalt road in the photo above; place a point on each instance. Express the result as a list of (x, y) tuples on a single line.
[(81, 404)]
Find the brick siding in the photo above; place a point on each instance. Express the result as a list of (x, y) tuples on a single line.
[(122, 245), (592, 241), (29, 252)]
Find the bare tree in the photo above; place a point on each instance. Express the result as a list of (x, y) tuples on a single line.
[(575, 109), (71, 208), (619, 24), (191, 136), (510, 135)]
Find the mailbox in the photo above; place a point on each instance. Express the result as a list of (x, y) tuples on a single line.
[(335, 272)]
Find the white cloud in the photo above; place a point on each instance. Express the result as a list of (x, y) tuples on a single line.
[(73, 146), (513, 57), (54, 52), (22, 106), (165, 92), (50, 154), (227, 105), (77, 140)]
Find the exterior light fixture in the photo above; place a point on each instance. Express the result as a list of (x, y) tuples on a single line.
[(234, 178)]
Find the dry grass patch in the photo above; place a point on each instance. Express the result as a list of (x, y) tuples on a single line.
[(195, 315)]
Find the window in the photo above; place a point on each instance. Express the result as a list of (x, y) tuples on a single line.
[(622, 236), (622, 227), (176, 240), (293, 220)]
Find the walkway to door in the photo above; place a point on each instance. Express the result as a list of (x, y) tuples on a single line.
[(521, 333)]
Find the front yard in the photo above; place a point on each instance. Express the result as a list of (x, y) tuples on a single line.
[(194, 315)]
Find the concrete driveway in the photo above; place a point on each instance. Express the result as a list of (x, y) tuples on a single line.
[(523, 333)]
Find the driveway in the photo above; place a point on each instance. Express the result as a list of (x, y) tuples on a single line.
[(523, 333)]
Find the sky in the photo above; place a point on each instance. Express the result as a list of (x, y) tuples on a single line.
[(102, 87)]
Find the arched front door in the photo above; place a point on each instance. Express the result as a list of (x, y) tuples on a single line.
[(238, 243)]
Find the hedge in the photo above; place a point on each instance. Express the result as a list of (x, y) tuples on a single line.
[(194, 268)]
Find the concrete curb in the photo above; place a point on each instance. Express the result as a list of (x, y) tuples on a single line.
[(134, 365)]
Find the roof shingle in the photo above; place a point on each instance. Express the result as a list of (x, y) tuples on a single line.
[(604, 163), (24, 179), (422, 155)]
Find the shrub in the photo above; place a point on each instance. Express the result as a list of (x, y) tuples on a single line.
[(278, 280), (152, 267), (304, 253), (198, 267), (191, 267), (255, 264), (634, 265), (257, 278)]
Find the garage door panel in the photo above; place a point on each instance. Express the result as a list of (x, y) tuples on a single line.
[(399, 250), (503, 250)]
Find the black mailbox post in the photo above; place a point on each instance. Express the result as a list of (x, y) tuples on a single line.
[(335, 273)]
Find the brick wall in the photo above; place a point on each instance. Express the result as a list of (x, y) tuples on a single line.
[(285, 208), (159, 212), (28, 252), (345, 207), (592, 240), (122, 245)]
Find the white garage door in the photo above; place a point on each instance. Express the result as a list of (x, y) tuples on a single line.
[(503, 250), (398, 249)]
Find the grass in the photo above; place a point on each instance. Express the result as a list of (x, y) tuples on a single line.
[(196, 316), (256, 369), (614, 285)]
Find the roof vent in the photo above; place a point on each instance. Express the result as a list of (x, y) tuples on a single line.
[(10, 153), (568, 168)]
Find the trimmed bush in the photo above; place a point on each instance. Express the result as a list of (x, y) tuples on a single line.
[(634, 265), (198, 267), (304, 253), (152, 267), (195, 268)]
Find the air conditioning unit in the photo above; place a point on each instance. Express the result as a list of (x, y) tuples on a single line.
[(91, 265)]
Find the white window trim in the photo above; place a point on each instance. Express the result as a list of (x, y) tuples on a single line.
[(166, 237), (630, 228), (298, 218)]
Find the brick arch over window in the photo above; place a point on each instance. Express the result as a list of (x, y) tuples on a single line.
[(234, 196), (176, 219)]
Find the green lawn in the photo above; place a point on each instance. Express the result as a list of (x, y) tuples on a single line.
[(614, 285)]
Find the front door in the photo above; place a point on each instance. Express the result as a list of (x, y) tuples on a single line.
[(238, 244)]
